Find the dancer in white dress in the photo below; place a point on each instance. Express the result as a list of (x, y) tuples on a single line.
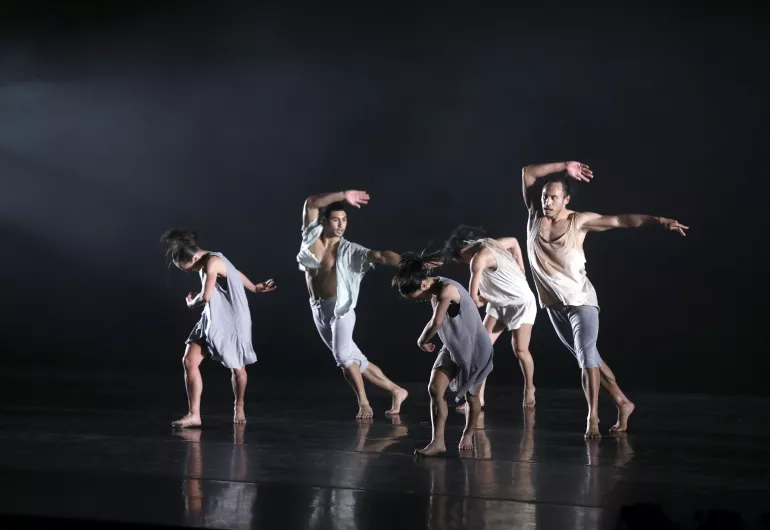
[(498, 280)]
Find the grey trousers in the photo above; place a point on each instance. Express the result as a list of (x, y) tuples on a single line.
[(578, 329)]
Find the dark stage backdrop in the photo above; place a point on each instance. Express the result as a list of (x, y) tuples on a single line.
[(117, 124)]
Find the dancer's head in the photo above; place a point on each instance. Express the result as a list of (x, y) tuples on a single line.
[(555, 196), (413, 278), (334, 219), (461, 245), (182, 248)]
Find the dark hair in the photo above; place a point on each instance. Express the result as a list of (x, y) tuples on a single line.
[(338, 206), (563, 179), (182, 244), (413, 268), (459, 239)]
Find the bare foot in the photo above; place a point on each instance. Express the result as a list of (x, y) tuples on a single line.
[(239, 417), (365, 412), (189, 420), (466, 442), (432, 449), (623, 413), (592, 429), (529, 398), (398, 397)]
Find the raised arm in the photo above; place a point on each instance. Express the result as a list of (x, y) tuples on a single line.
[(445, 298), (594, 222), (384, 257), (314, 203), (532, 172), (512, 245)]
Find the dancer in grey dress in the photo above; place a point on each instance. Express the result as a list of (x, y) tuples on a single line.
[(465, 360), (224, 329)]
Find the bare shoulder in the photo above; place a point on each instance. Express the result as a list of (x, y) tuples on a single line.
[(507, 242), (450, 292), (483, 259), (215, 265), (584, 218)]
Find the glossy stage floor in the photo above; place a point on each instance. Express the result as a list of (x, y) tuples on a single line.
[(99, 448)]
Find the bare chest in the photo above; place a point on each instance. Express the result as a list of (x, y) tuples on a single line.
[(553, 230), (326, 256)]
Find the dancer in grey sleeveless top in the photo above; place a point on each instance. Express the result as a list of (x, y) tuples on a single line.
[(465, 360), (224, 329)]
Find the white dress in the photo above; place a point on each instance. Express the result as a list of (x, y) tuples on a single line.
[(511, 301)]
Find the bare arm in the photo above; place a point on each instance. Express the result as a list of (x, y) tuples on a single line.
[(594, 222), (263, 287), (512, 245), (314, 203), (532, 172), (214, 266), (384, 257), (479, 262), (435, 322)]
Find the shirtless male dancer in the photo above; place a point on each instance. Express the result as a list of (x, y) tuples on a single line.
[(555, 238), (334, 268)]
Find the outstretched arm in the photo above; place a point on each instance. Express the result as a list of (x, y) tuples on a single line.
[(264, 287), (512, 245), (315, 202), (383, 257), (445, 298), (594, 222), (532, 172)]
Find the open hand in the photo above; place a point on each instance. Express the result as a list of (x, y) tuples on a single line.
[(356, 198), (579, 171), (670, 224), (428, 347), (265, 287)]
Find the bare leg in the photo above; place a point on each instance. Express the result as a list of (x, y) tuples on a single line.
[(591, 378), (439, 381), (471, 417), (624, 405), (374, 375), (520, 343), (193, 356), (353, 376), (494, 329), (239, 380)]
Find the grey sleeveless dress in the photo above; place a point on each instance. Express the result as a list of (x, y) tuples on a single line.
[(467, 352), (225, 324)]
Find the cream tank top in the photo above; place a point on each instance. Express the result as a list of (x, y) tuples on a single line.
[(558, 265)]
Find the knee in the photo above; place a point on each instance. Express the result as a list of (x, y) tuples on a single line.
[(435, 391), (521, 353), (239, 373)]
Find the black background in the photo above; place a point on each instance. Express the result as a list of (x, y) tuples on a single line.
[(118, 122)]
